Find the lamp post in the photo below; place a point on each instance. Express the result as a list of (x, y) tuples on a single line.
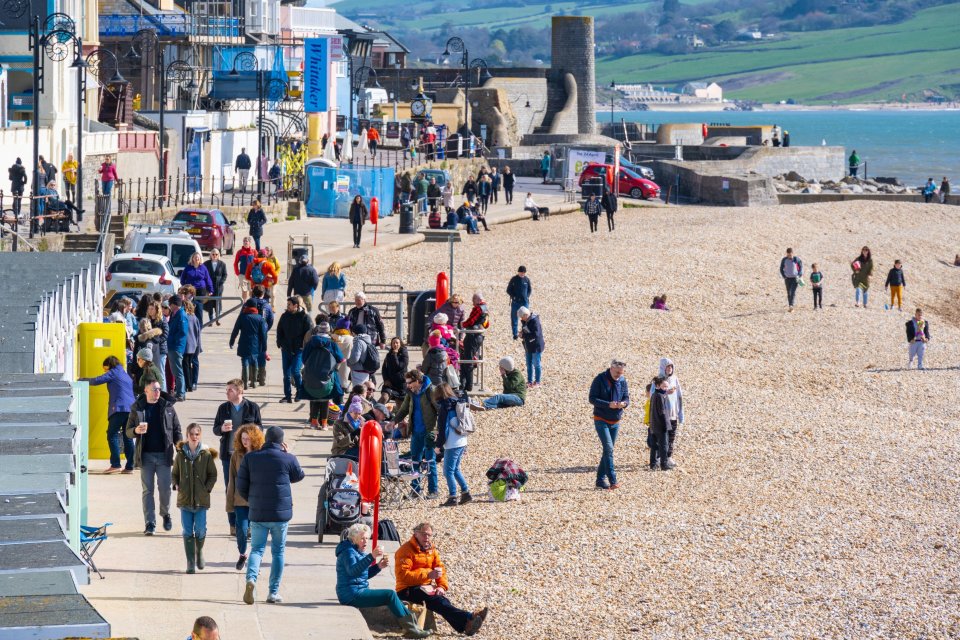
[(106, 68), (359, 45), (149, 42), (457, 45), (273, 89), (362, 77), (613, 89)]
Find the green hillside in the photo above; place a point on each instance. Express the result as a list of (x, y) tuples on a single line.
[(644, 41), (843, 65)]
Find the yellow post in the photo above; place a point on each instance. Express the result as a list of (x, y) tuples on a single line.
[(314, 134), (96, 341)]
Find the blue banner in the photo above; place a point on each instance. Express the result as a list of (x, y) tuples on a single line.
[(316, 62)]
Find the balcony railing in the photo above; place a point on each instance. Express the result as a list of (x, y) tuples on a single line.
[(172, 25)]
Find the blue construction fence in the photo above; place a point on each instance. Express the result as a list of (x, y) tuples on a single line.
[(329, 191)]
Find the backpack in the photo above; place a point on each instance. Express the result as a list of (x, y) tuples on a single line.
[(386, 530), (462, 419), (318, 369), (370, 361), (256, 274)]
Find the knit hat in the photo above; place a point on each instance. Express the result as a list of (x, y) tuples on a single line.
[(323, 327), (382, 408), (441, 318), (356, 405), (433, 340), (343, 323), (145, 354), (506, 363)]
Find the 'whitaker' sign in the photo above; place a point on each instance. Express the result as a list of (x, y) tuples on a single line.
[(316, 62)]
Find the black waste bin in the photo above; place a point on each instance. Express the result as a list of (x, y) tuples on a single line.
[(592, 186), (420, 307), (406, 218)]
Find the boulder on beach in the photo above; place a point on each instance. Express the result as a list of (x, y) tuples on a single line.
[(793, 176), (892, 181)]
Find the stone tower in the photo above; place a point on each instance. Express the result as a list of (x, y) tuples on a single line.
[(572, 52)]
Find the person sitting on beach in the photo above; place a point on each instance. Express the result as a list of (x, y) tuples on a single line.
[(514, 388), (956, 260), (660, 303), (422, 579), (465, 215), (354, 570), (929, 190)]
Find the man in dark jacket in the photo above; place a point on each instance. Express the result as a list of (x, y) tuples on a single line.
[(660, 425), (154, 423), (609, 395), (264, 480), (533, 344), (434, 195), (791, 270), (423, 426), (477, 321), (303, 282), (231, 415), (519, 290), (177, 345), (217, 269), (18, 179), (242, 165), (369, 316), (292, 328), (252, 332)]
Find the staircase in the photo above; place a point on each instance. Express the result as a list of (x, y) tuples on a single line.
[(88, 241)]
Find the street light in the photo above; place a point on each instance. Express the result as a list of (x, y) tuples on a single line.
[(95, 62), (457, 45), (273, 89), (613, 87), (149, 42), (359, 45)]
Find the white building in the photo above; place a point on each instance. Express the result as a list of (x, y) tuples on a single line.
[(702, 91)]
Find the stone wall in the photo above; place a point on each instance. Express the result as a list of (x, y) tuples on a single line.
[(813, 163), (518, 93), (713, 183)]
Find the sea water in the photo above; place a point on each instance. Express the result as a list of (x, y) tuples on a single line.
[(912, 145)]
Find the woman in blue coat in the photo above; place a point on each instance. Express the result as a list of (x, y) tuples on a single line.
[(532, 335), (354, 570), (196, 274), (251, 329), (120, 388)]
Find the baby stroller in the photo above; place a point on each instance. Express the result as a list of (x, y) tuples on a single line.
[(338, 506)]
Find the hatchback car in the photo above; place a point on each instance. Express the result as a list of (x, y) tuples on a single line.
[(209, 227), (142, 272), (630, 182)]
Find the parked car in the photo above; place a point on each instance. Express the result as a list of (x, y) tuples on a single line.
[(630, 182), (442, 176), (171, 242), (142, 272), (645, 172), (209, 227)]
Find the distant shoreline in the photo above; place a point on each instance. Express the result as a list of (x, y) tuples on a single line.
[(875, 106)]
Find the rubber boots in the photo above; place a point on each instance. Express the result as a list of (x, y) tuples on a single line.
[(190, 548), (243, 376), (262, 376), (200, 563), (252, 375), (410, 627)]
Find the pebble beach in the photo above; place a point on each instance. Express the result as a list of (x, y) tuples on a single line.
[(816, 492)]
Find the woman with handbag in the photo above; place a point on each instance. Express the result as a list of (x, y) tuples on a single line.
[(196, 275)]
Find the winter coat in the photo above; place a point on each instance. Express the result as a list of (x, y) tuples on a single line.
[(354, 570), (249, 414), (912, 330), (242, 260), (508, 180), (108, 172), (194, 478), (303, 280), (265, 310), (18, 177), (895, 278), (264, 480), (119, 388), (252, 330), (519, 289), (413, 564), (161, 339), (172, 433), (394, 367), (371, 320), (358, 213), (361, 343), (292, 329), (604, 390), (514, 383), (592, 207), (233, 498), (454, 315), (532, 334), (270, 274), (332, 282), (427, 410), (218, 275), (193, 334), (199, 277), (861, 278), (256, 219), (177, 337), (150, 373), (659, 412), (243, 162), (345, 436), (675, 399)]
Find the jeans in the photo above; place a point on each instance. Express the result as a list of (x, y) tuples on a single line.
[(116, 425), (610, 224), (917, 350), (533, 366), (258, 543), (242, 515), (357, 232), (191, 369), (502, 401), (176, 367), (256, 241), (419, 451), (452, 472), (457, 618), (107, 187), (791, 284), (162, 366), (292, 363), (508, 194), (379, 598), (246, 362), (194, 522), (153, 466), (70, 190), (514, 320), (608, 437), (856, 294), (17, 200), (225, 464), (817, 297)]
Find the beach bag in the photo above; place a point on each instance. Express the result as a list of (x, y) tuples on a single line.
[(462, 419), (801, 283), (370, 362), (498, 490), (256, 273), (856, 265)]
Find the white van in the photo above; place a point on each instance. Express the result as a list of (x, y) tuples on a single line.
[(172, 242)]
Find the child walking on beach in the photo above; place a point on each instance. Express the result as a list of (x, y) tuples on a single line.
[(816, 284), (897, 283)]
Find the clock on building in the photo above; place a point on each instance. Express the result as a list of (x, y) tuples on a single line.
[(419, 107)]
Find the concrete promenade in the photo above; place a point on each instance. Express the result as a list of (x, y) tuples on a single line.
[(145, 593)]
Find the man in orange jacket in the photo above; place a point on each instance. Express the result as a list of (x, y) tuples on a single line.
[(422, 579), (373, 139)]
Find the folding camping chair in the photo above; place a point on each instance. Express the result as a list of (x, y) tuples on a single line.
[(90, 540), (395, 479)]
